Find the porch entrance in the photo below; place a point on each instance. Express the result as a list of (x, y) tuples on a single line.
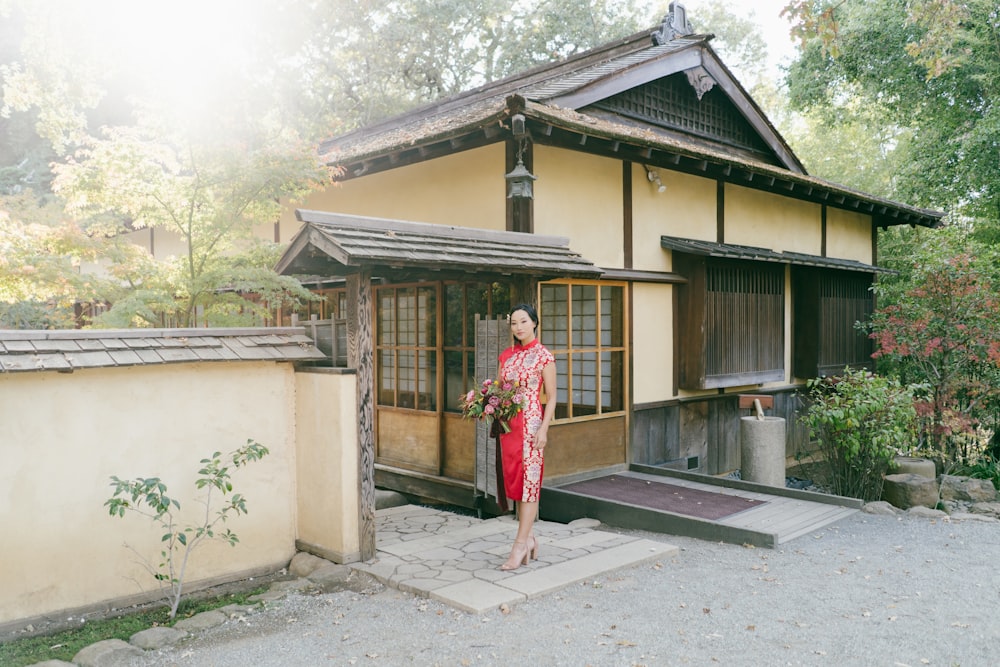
[(433, 343)]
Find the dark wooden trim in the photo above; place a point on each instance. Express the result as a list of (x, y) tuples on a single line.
[(874, 245), (656, 405), (627, 211), (823, 231), (630, 406), (720, 211), (675, 313), (643, 276)]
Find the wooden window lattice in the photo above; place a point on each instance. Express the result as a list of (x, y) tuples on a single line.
[(745, 320), (671, 103), (844, 301)]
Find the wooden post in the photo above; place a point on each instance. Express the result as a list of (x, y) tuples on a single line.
[(361, 355), (524, 289)]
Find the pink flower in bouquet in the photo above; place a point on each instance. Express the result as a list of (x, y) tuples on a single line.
[(494, 400)]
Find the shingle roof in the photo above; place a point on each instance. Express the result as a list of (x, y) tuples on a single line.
[(69, 350), (481, 116), (331, 244), (752, 253)]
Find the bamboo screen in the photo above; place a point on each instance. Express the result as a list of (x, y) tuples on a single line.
[(745, 315), (844, 300)]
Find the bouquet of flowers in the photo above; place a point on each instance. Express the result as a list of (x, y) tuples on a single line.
[(495, 399)]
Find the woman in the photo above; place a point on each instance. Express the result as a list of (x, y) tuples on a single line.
[(533, 367)]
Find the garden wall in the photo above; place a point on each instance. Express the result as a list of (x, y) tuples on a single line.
[(64, 434)]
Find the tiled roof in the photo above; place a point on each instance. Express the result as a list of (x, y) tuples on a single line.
[(69, 350), (752, 253), (343, 241)]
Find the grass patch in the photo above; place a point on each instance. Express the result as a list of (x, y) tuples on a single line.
[(65, 644)]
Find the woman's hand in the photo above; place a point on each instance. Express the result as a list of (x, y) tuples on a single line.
[(542, 438)]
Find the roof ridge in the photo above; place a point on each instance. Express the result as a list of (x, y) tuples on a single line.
[(514, 83)]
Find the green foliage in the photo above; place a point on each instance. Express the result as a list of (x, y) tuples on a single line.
[(205, 147), (860, 422), (148, 497), (938, 329), (930, 69), (65, 644)]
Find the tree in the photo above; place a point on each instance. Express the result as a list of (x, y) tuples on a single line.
[(209, 142), (931, 69), (939, 331), (211, 196), (41, 253)]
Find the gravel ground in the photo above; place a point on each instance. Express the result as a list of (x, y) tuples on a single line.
[(870, 590)]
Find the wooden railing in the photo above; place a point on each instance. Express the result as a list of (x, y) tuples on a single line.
[(330, 336)]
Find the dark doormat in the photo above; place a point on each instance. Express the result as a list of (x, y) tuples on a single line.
[(663, 496)]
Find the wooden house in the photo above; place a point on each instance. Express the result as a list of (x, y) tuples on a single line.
[(677, 251)]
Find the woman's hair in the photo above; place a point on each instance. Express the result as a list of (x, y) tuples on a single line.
[(527, 308)]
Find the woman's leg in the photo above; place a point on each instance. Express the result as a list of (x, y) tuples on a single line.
[(524, 540)]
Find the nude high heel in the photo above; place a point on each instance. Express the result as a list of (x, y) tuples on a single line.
[(519, 555), (534, 548)]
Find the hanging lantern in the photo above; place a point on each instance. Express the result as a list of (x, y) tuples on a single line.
[(519, 182)]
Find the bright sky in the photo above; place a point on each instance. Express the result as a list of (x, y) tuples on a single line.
[(767, 14)]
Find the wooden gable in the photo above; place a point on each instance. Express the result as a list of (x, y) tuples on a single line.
[(672, 104)]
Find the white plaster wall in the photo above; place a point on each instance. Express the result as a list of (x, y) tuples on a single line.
[(63, 435)]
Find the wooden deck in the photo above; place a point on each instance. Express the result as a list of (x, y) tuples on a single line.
[(785, 515)]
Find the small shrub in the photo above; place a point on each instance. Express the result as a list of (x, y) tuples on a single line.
[(860, 422), (148, 497)]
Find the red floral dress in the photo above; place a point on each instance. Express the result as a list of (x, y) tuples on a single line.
[(522, 463)]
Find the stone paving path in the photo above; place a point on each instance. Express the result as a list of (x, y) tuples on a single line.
[(455, 558)]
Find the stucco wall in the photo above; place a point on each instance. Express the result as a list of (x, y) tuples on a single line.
[(579, 196), (848, 235), (653, 342), (62, 435), (766, 220), (465, 189), (327, 463), (685, 209)]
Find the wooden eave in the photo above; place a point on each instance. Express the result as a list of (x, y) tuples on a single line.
[(756, 254), (571, 130), (332, 244), (481, 117)]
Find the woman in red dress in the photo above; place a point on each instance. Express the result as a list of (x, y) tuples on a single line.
[(528, 363)]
